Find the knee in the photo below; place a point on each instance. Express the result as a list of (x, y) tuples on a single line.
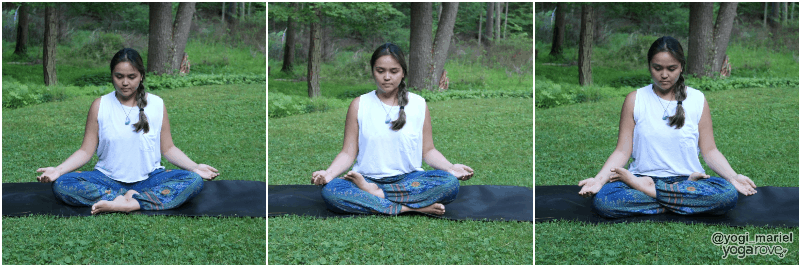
[(329, 192), (604, 207)]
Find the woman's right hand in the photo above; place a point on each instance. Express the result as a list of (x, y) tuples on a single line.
[(590, 186), (321, 177), (49, 174)]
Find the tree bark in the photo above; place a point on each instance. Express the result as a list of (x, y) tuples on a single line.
[(784, 12), (774, 18), (722, 33), (420, 42), (498, 21), (443, 40), (558, 30), (222, 19), (505, 19), (315, 55), (159, 38), (765, 16), (21, 47), (701, 39), (480, 17), (180, 32), (49, 47), (488, 28), (585, 48), (289, 44)]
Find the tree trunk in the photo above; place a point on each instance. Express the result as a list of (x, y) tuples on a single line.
[(159, 38), (420, 42), (180, 32), (289, 45), (701, 39), (223, 13), (443, 40), (784, 12), (488, 28), (775, 16), (22, 31), (765, 16), (315, 55), (585, 48), (722, 32), (480, 17), (505, 19), (498, 21), (558, 30), (49, 47), (439, 11)]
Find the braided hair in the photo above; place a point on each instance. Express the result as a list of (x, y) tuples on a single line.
[(131, 56), (672, 46), (403, 93)]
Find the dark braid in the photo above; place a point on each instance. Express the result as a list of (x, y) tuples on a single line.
[(403, 99), (131, 56), (680, 93)]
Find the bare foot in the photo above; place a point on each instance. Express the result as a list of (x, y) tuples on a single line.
[(436, 209), (124, 203), (697, 176), (644, 184), (358, 179)]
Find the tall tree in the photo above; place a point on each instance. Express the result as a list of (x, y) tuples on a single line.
[(708, 43), (505, 19), (315, 55), (442, 40), (180, 32), (21, 47), (420, 44), (497, 21), (480, 18), (159, 41), (488, 29), (585, 48), (558, 30), (289, 43), (49, 47), (700, 38)]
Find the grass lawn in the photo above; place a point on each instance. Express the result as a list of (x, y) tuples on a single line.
[(755, 128), (493, 136), (222, 126)]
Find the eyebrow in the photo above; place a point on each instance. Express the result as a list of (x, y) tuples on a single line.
[(655, 65)]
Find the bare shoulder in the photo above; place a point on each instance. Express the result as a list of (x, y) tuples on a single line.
[(354, 105)]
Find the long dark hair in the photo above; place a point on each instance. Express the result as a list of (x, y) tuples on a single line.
[(131, 56), (403, 98), (672, 46)]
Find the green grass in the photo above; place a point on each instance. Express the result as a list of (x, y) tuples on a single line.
[(218, 125), (755, 128), (493, 136)]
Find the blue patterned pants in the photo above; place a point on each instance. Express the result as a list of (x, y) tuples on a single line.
[(414, 190), (163, 189), (713, 195)]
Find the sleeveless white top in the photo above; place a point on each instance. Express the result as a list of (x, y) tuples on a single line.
[(125, 155), (661, 150), (382, 151)]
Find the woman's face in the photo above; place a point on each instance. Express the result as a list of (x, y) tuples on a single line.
[(665, 70), (388, 73), (126, 79)]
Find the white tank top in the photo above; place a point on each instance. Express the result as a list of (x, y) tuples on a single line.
[(658, 149), (125, 155), (382, 151)]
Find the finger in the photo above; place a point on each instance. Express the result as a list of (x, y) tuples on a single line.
[(213, 169), (468, 168), (40, 170)]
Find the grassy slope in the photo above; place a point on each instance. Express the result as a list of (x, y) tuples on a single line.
[(491, 135), (755, 128), (217, 125)]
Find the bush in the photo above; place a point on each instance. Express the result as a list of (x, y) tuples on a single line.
[(281, 105), (549, 94), (17, 95)]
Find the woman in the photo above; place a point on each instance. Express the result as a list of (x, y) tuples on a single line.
[(130, 130), (663, 126), (388, 133)]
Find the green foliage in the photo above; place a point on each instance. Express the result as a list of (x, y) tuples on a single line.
[(549, 94), (281, 105), (17, 95), (718, 84), (95, 46), (433, 96)]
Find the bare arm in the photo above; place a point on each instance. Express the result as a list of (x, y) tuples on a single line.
[(177, 157), (350, 148), (715, 159), (435, 159), (82, 155), (622, 151)]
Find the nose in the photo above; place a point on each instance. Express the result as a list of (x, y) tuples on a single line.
[(386, 76), (124, 81)]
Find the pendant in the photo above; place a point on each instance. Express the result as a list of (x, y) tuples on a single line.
[(127, 121), (664, 117), (387, 121)]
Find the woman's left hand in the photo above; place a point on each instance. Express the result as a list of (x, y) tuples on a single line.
[(462, 172), (744, 185), (206, 172)]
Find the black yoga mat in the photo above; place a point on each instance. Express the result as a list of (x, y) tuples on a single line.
[(770, 206), (218, 198), (474, 202)]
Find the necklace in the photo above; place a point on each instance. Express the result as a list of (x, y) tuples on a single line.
[(388, 119), (664, 114), (127, 119)]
